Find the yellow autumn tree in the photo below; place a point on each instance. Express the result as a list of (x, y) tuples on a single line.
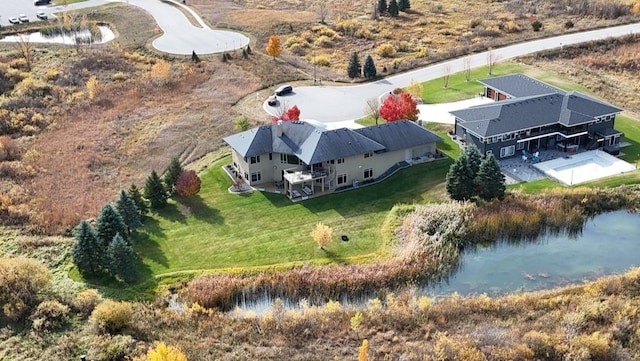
[(274, 48), (415, 89), (322, 234), (160, 71), (92, 87), (362, 356), (162, 352)]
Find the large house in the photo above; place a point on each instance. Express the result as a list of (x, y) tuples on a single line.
[(302, 157), (529, 115)]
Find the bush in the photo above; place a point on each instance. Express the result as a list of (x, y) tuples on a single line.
[(323, 42), (50, 315), (386, 50), (9, 150), (536, 25), (475, 23), (511, 27), (86, 301), (112, 317), (188, 183), (568, 24), (162, 352), (322, 60), (113, 348), (21, 281)]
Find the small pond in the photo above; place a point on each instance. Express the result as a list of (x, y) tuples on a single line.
[(608, 244), (37, 37)]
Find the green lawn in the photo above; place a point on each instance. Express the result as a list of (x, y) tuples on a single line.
[(217, 230)]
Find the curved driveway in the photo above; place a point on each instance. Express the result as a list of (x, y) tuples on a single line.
[(329, 104), (180, 35)]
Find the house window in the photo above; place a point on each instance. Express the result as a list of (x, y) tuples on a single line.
[(368, 173), (342, 179), (489, 152), (255, 159), (507, 151), (246, 176), (289, 159), (368, 154), (520, 146), (256, 177), (341, 160)]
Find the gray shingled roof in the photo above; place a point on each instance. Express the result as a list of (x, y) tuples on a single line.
[(524, 113), (314, 145), (401, 134), (519, 85)]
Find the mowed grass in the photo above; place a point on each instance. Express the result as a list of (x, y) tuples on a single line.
[(216, 230)]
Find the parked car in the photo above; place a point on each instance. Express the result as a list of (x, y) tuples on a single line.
[(272, 101), (41, 15), (23, 18), (41, 2), (284, 89), (14, 20)]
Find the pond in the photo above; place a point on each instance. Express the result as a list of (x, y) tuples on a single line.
[(37, 37), (608, 244)]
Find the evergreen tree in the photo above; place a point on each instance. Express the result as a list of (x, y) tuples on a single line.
[(128, 211), (393, 8), (108, 224), (460, 180), (382, 6), (474, 158), (86, 250), (404, 5), (171, 175), (154, 191), (122, 259), (194, 57), (490, 180), (138, 199), (354, 69), (369, 69)]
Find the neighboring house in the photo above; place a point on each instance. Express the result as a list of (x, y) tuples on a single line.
[(297, 153), (529, 115)]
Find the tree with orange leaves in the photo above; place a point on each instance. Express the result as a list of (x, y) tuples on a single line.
[(400, 106), (274, 48)]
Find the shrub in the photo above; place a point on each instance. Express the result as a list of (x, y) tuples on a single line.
[(113, 348), (188, 183), (324, 30), (111, 316), (421, 52), (511, 27), (475, 23), (86, 301), (162, 352), (386, 50), (322, 60), (50, 315), (323, 42), (294, 40), (635, 10), (536, 25), (21, 280), (9, 150), (403, 46), (52, 74), (119, 76), (568, 24), (297, 49)]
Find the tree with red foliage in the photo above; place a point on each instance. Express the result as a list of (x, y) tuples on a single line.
[(188, 183), (292, 113), (401, 106)]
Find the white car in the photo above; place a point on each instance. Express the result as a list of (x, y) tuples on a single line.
[(23, 18), (14, 20), (41, 15)]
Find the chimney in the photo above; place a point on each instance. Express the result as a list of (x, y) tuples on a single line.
[(279, 128)]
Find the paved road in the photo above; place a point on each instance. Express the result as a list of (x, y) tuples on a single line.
[(12, 8), (180, 35), (330, 104)]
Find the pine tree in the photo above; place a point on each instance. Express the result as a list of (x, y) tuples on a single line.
[(122, 259), (194, 57), (127, 209), (171, 175), (404, 5), (86, 250), (393, 8), (138, 199), (474, 158), (382, 6), (108, 224), (369, 69), (354, 69), (460, 180), (154, 191), (490, 180)]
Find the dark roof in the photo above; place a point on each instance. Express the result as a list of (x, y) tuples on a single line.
[(401, 134), (512, 115), (519, 85), (314, 145)]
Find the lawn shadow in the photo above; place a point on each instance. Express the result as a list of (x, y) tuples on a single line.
[(196, 207), (146, 246), (143, 288), (334, 257), (171, 212)]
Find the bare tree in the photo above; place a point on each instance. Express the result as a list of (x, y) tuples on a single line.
[(491, 60), (323, 11), (373, 109), (467, 69), (446, 71), (24, 46)]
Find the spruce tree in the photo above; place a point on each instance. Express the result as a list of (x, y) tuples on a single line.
[(474, 158), (122, 259), (404, 5), (127, 209), (490, 180), (369, 69), (87, 253), (382, 6), (460, 180), (393, 8), (354, 69), (108, 224), (154, 191), (138, 199), (171, 175)]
